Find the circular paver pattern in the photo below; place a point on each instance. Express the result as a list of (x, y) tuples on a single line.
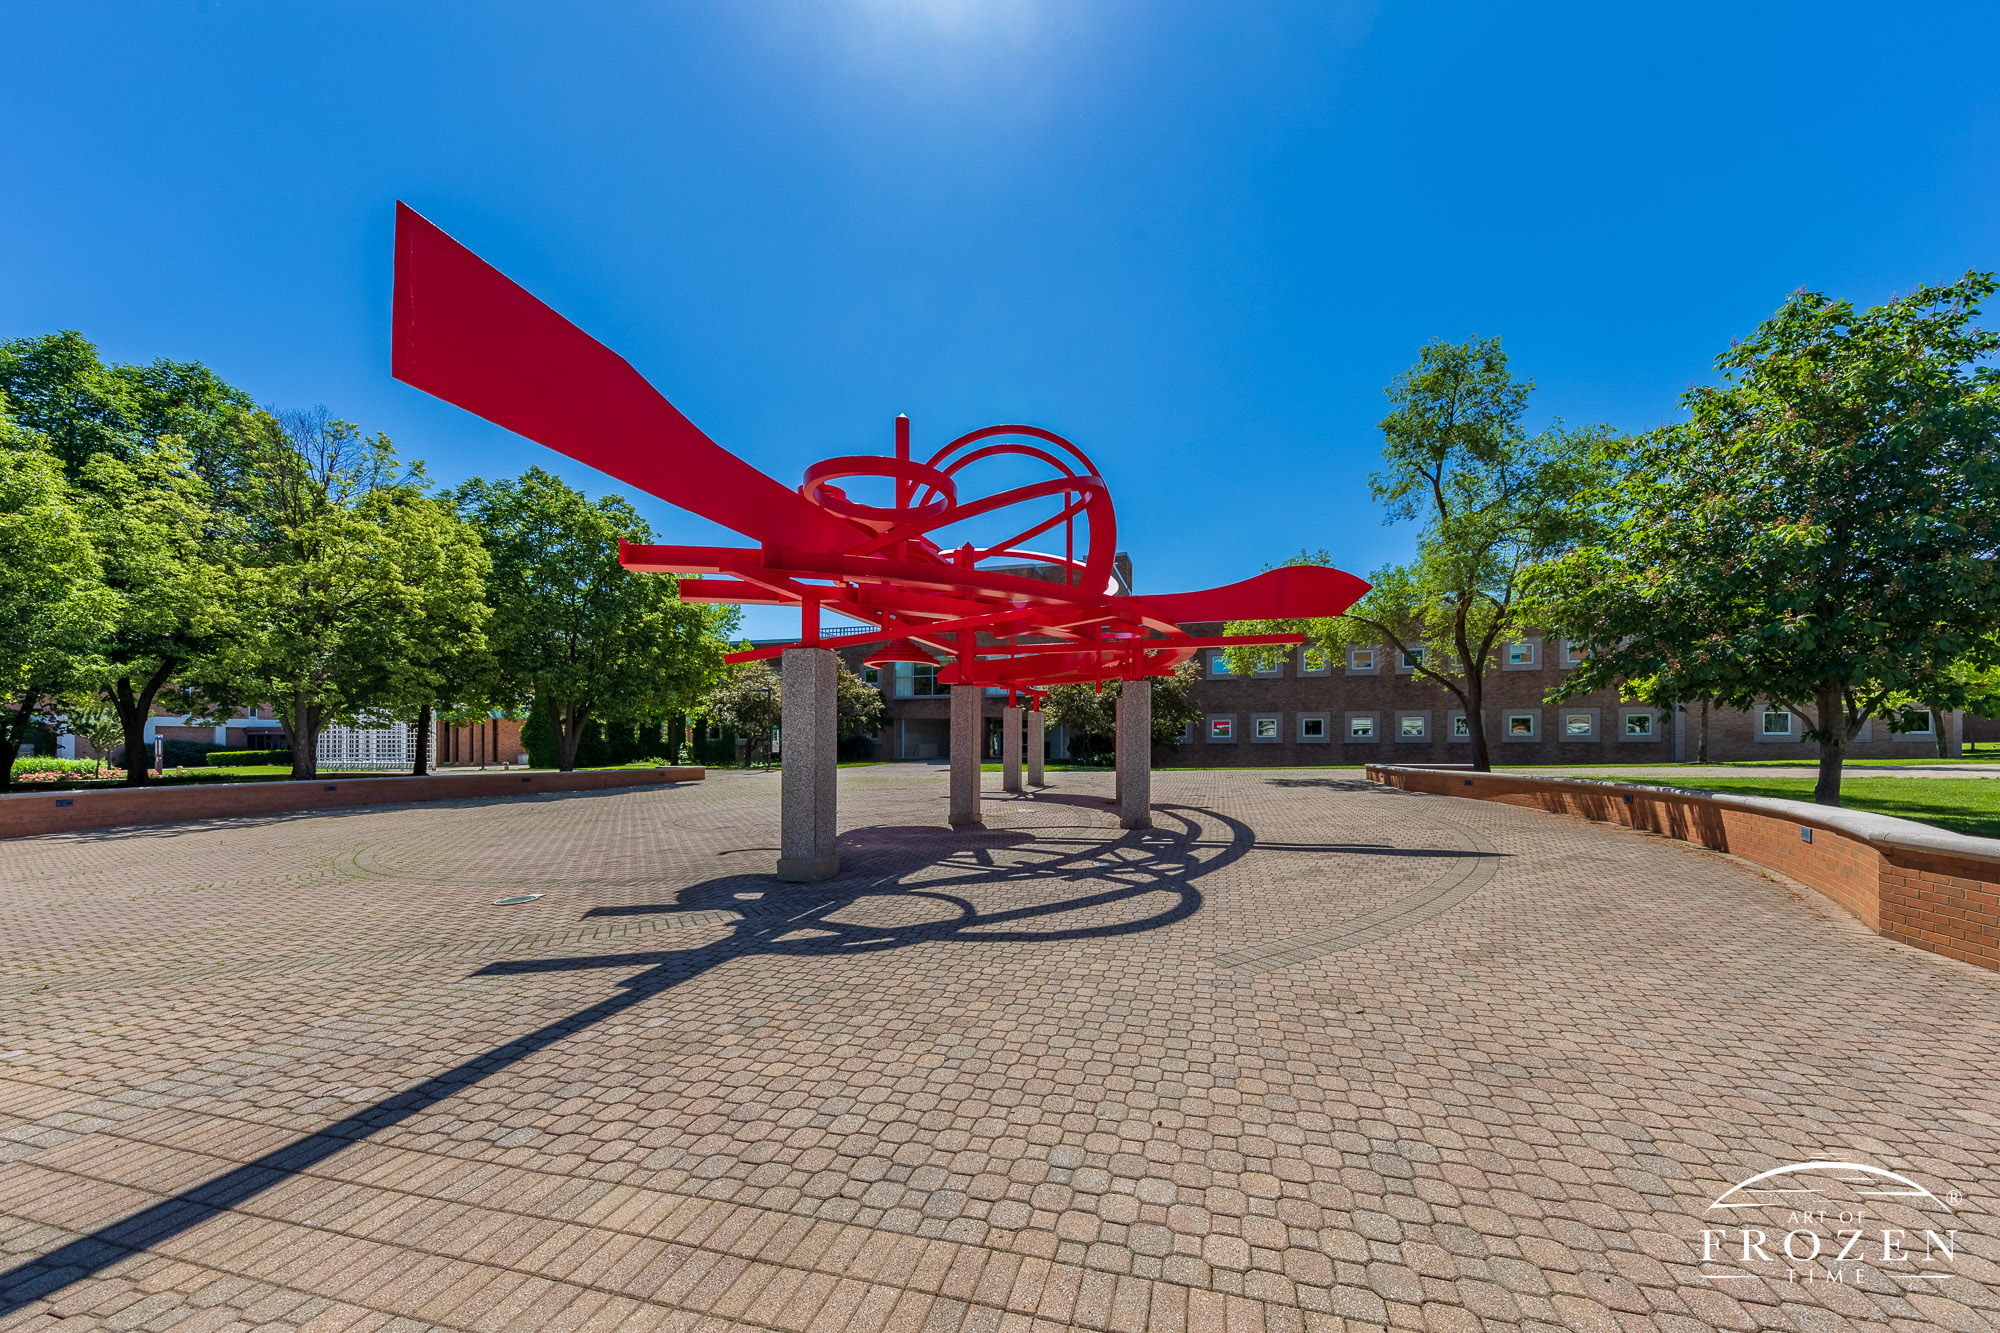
[(1309, 1052)]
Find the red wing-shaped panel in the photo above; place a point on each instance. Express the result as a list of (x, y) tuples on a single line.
[(1295, 592), (467, 333)]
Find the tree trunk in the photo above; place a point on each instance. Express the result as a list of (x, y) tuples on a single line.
[(422, 767), (302, 724), (1701, 744), (569, 735), (1833, 744), (133, 710), (1475, 721), (12, 730)]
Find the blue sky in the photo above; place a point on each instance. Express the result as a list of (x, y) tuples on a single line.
[(1198, 239)]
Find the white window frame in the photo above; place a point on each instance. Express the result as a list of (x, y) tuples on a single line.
[(1458, 728), (1276, 659), (1764, 716), (1374, 729), (1423, 732), (1406, 665), (1568, 737), (1218, 666), (1534, 732), (1572, 655), (1653, 728), (1325, 667), (1227, 721), (1534, 662), (1325, 721), (1277, 724), (906, 682), (1370, 668)]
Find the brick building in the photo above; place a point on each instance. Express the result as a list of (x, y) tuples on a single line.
[(1307, 709)]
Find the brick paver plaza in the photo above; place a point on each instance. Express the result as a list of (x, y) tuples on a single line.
[(1310, 1054)]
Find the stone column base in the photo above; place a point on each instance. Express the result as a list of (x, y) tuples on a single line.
[(803, 870)]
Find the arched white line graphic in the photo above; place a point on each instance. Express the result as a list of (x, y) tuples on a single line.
[(1903, 1186)]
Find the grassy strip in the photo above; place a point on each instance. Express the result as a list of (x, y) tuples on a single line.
[(1963, 805)]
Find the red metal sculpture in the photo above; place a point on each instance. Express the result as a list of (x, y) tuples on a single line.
[(469, 335)]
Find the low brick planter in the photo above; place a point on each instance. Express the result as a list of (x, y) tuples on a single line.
[(24, 814), (1918, 885)]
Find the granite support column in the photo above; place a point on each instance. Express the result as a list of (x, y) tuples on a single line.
[(966, 743), (1135, 754), (1010, 748), (1036, 747), (807, 783)]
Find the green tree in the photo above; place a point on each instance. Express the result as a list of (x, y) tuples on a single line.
[(169, 558), (860, 706), (571, 626), (57, 387), (354, 585), (161, 454), (1494, 503), (1089, 714), (749, 701), (54, 608), (1820, 535)]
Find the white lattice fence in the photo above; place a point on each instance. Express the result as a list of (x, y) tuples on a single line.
[(390, 746)]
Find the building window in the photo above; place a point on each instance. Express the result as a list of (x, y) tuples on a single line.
[(1360, 659), (1639, 726), (1777, 721), (1265, 728), (1313, 660), (1361, 726), (1222, 728), (1313, 727), (915, 680), (1187, 732), (1522, 726), (1218, 665), (715, 731), (1270, 662), (1520, 654), (873, 675), (1573, 654), (1461, 729), (1411, 659), (1917, 723), (1412, 726), (1578, 726)]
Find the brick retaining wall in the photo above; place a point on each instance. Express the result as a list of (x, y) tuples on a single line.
[(24, 814), (1915, 884)]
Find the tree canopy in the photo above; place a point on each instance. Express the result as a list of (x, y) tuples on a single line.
[(1494, 503), (352, 585), (571, 626), (55, 611), (1820, 535)]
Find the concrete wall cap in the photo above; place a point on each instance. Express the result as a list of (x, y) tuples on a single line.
[(1882, 831)]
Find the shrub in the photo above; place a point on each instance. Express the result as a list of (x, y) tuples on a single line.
[(248, 758), (50, 769), (182, 754)]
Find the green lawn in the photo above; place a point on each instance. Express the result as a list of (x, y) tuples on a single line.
[(1963, 805), (1990, 758)]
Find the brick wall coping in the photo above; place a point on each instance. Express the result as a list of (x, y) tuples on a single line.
[(25, 814), (1881, 831)]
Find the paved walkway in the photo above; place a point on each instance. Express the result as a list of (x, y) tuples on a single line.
[(1312, 1054)]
